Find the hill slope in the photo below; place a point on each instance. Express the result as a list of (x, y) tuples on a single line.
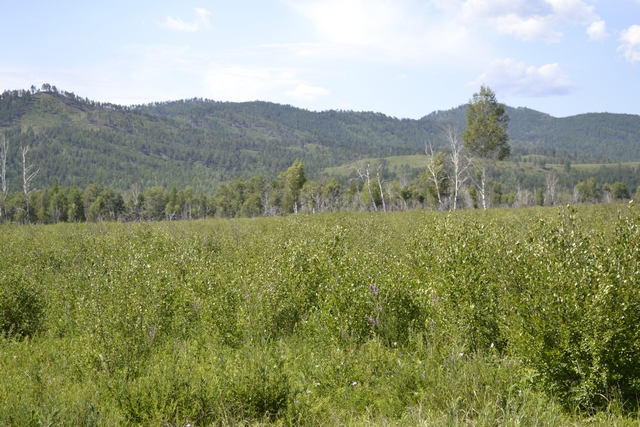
[(593, 136), (75, 141)]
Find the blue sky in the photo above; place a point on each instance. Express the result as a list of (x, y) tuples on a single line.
[(404, 58)]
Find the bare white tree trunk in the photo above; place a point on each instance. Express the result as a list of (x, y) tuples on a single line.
[(432, 168), (384, 206), (483, 185), (4, 147), (479, 179), (365, 175), (27, 176), (458, 162), (551, 184)]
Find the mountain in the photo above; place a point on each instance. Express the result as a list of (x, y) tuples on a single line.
[(590, 137), (76, 141)]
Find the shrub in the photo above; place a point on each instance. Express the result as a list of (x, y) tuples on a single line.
[(21, 308)]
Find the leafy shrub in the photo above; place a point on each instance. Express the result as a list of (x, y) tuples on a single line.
[(21, 308), (575, 307)]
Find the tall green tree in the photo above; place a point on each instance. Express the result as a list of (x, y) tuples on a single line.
[(294, 178), (486, 134)]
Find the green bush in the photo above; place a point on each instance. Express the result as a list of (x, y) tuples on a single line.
[(21, 308)]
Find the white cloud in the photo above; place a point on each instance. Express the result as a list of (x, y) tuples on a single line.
[(630, 39), (359, 22), (177, 24), (303, 92), (382, 31), (241, 83), (597, 31), (514, 78), (527, 20)]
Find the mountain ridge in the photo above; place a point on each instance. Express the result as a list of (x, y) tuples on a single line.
[(200, 143)]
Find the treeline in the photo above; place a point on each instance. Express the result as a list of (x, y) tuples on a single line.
[(292, 192)]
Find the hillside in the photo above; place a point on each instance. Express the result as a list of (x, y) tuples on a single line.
[(595, 136), (75, 141)]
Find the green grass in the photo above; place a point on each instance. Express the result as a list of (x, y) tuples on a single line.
[(414, 161), (419, 161), (418, 318)]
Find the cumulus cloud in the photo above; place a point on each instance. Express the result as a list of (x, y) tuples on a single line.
[(527, 20), (597, 31), (303, 92), (510, 77), (630, 39), (177, 24)]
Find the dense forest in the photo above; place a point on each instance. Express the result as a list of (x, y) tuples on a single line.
[(201, 143)]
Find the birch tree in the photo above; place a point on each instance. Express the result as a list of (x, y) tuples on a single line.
[(551, 183), (380, 181), (486, 134), (364, 174), (27, 176), (4, 147), (436, 172), (459, 163)]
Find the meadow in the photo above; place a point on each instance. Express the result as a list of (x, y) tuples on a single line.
[(509, 317)]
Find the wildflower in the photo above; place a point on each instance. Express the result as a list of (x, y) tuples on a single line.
[(373, 289), (152, 333)]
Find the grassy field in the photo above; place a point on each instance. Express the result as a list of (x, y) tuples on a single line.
[(415, 161), (419, 161), (498, 318)]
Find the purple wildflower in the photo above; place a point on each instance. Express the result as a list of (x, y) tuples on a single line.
[(373, 289)]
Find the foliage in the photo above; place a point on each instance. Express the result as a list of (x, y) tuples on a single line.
[(201, 143), (409, 318), (486, 133)]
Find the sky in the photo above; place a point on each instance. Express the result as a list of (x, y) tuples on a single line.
[(403, 58)]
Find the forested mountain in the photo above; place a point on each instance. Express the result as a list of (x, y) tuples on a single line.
[(75, 141), (593, 137)]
